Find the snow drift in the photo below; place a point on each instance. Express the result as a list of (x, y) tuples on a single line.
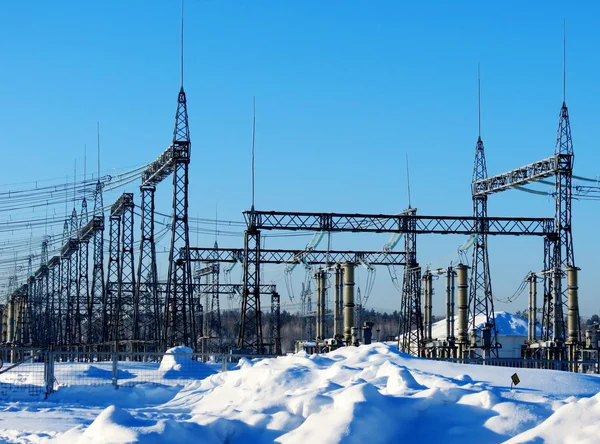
[(371, 393)]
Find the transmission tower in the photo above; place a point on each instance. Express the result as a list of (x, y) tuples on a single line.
[(97, 307), (480, 288), (179, 308), (112, 278), (83, 294), (126, 297), (54, 323), (215, 306), (64, 288), (558, 249), (73, 325), (147, 314), (43, 296), (411, 316)]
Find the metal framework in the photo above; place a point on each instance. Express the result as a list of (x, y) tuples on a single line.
[(379, 223), (484, 186), (411, 318), (250, 332), (558, 243), (481, 300), (112, 278), (307, 257), (82, 319), (250, 337), (276, 323), (124, 310), (561, 251), (148, 310), (53, 315), (179, 320), (97, 303)]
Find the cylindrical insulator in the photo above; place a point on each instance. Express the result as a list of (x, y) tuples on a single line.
[(427, 321), (348, 301), (557, 322), (449, 302), (573, 302), (588, 339), (531, 336), (319, 278), (463, 303), (337, 307)]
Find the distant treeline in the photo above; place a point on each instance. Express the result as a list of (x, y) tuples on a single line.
[(294, 326)]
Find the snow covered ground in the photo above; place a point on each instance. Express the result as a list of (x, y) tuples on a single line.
[(370, 394)]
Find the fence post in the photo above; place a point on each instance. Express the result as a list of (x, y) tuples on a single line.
[(49, 370), (115, 369), (223, 362)]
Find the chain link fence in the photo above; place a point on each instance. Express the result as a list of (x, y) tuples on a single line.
[(41, 372), (540, 364)]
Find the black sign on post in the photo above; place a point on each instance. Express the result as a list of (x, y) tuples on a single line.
[(514, 380)]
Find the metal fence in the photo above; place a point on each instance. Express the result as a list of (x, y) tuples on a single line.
[(22, 372), (40, 372), (540, 364), (35, 372)]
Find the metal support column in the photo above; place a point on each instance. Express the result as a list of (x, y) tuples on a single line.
[(147, 321)]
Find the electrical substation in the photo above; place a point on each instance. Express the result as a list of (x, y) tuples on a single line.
[(92, 298)]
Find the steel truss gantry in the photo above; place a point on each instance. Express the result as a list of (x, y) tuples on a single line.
[(148, 311), (230, 289), (357, 223), (121, 288), (307, 257), (211, 311), (558, 244)]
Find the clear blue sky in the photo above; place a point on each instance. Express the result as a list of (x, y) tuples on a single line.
[(344, 89)]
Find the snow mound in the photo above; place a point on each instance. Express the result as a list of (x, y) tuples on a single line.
[(117, 426), (370, 393), (177, 363), (575, 422)]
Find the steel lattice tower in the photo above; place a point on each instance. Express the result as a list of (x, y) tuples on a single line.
[(206, 319), (199, 309), (83, 291), (215, 306), (250, 337), (72, 326), (64, 289), (179, 307), (126, 297), (147, 310), (411, 316), (97, 307), (31, 306), (276, 323), (40, 324), (480, 286), (43, 295), (559, 249), (55, 289), (112, 278)]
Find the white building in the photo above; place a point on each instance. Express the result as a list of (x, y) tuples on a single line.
[(512, 332)]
